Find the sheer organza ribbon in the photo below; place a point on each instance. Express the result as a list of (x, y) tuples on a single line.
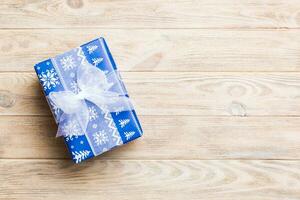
[(93, 86)]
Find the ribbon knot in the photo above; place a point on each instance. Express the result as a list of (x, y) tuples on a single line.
[(93, 86)]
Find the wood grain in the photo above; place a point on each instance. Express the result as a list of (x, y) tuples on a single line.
[(216, 85), (106, 179), (150, 14), (166, 137), (161, 50), (178, 93)]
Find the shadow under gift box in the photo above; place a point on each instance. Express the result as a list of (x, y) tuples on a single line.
[(104, 130)]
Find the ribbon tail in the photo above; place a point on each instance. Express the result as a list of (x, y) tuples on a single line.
[(73, 124), (112, 103)]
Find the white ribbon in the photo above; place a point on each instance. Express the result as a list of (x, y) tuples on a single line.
[(93, 86)]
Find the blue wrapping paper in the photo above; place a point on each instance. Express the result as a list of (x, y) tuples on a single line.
[(105, 130)]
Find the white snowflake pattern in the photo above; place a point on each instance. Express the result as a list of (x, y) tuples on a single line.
[(74, 87), (71, 128), (97, 61), (95, 126), (78, 156), (129, 134), (91, 48), (93, 115), (49, 79), (123, 122), (67, 63), (100, 138)]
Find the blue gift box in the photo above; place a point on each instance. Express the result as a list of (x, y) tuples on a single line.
[(105, 130)]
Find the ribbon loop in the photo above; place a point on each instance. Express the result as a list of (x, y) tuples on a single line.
[(94, 87)]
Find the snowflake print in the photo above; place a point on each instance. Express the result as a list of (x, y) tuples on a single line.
[(93, 115), (74, 87), (71, 128), (91, 48), (96, 61), (67, 63), (49, 79), (100, 138), (95, 126)]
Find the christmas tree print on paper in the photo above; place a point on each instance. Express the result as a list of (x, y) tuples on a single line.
[(123, 122), (129, 134), (91, 48), (97, 61), (78, 156)]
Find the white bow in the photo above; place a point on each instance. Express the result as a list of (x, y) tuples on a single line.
[(94, 87)]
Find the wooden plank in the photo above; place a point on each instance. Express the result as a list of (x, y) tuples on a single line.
[(166, 137), (149, 14), (161, 50), (106, 179), (178, 93)]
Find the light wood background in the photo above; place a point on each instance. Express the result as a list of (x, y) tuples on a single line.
[(216, 85)]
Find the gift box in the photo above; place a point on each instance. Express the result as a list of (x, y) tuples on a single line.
[(88, 100)]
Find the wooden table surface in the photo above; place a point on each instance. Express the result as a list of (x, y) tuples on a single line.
[(216, 85)]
